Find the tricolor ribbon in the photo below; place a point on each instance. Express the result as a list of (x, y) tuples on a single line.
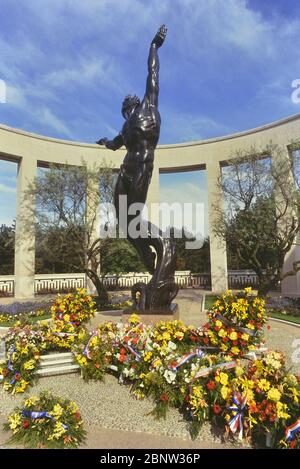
[(86, 351), (185, 358), (134, 352), (11, 351), (210, 369), (236, 423), (290, 432), (40, 415), (64, 334)]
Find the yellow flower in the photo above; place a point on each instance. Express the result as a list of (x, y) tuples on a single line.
[(274, 394), (235, 350), (222, 333), (58, 431), (157, 362), (14, 422), (224, 378), (225, 392), (166, 336), (219, 323), (148, 356), (81, 360), (179, 335), (263, 384), (248, 291), (239, 370), (233, 336), (224, 348), (72, 407), (31, 401), (245, 337), (134, 318), (57, 411), (22, 385), (198, 391), (29, 365), (281, 410), (250, 326)]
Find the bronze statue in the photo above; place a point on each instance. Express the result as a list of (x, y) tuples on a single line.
[(140, 134)]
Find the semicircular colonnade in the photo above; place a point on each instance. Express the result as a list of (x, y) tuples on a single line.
[(31, 150)]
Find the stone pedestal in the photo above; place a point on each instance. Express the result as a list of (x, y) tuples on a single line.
[(154, 315)]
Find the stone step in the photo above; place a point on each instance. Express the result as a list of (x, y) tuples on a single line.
[(56, 362), (57, 370), (56, 356)]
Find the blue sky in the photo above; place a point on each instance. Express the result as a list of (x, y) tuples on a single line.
[(225, 66)]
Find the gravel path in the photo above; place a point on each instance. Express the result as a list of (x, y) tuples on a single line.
[(108, 405)]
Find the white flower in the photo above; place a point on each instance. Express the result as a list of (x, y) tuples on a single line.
[(171, 345), (170, 376)]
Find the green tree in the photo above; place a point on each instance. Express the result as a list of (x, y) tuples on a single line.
[(7, 249), (67, 217), (260, 221)]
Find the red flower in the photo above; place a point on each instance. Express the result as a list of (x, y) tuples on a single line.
[(5, 372), (211, 385), (235, 342), (217, 409), (206, 340), (17, 376), (225, 339), (78, 415), (135, 340), (122, 358), (26, 423), (164, 397), (97, 365), (123, 351), (268, 327), (293, 443), (216, 328)]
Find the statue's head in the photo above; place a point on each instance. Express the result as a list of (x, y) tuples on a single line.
[(130, 103)]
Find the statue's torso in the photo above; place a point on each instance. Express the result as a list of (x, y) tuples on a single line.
[(141, 133)]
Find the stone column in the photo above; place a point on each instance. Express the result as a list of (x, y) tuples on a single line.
[(25, 235), (218, 256), (290, 286), (93, 221)]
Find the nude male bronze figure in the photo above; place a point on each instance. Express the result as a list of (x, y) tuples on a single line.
[(140, 134)]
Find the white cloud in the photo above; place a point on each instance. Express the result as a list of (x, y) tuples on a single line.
[(46, 117), (186, 192), (192, 127), (7, 189)]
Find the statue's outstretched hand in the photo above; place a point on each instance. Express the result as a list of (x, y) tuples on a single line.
[(160, 36), (102, 141)]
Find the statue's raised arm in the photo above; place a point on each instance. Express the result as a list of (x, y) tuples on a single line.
[(152, 87)]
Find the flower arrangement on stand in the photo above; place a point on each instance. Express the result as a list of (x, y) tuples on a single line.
[(46, 421), (73, 308), (235, 323), (23, 349)]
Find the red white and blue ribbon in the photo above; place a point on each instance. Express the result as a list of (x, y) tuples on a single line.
[(86, 351), (40, 415), (236, 423), (185, 358), (210, 369), (134, 352), (11, 351), (290, 432)]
